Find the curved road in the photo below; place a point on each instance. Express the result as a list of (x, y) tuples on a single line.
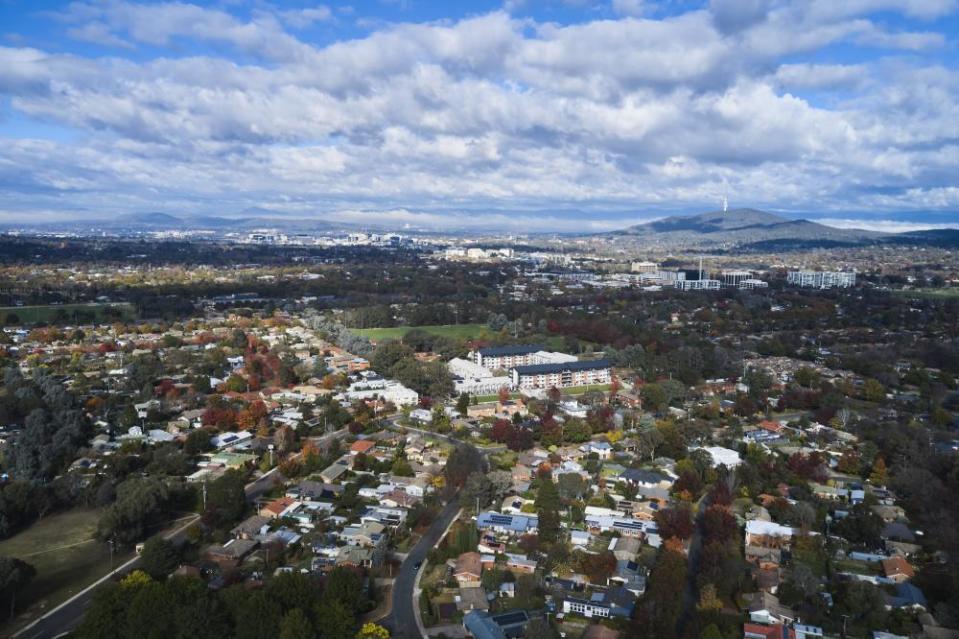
[(402, 619), (401, 622)]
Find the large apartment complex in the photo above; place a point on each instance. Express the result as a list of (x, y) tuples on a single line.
[(822, 279), (560, 375)]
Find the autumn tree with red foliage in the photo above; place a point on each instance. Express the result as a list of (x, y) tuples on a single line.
[(599, 567), (501, 430), (675, 522), (689, 483), (719, 524)]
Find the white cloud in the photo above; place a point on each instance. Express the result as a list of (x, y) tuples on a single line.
[(302, 18), (486, 113), (635, 8), (886, 226)]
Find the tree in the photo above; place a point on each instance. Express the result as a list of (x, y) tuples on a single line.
[(503, 394), (198, 441), (576, 431), (711, 632), (226, 499), (658, 612), (336, 619), (708, 600), (296, 625), (462, 407), (675, 522), (141, 502), (598, 567), (478, 489), (873, 391), (654, 397), (388, 353), (373, 631), (159, 557), (547, 509), (343, 587), (461, 462), (571, 486), (15, 574), (879, 473)]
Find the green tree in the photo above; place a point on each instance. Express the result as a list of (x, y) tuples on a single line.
[(388, 353), (654, 397), (296, 625), (141, 502), (463, 404), (343, 587), (547, 510), (873, 391), (159, 558), (15, 574), (226, 499), (336, 619)]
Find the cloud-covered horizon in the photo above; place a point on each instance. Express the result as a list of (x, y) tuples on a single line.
[(601, 114)]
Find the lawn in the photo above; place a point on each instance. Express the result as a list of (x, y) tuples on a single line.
[(931, 293), (572, 390), (64, 313), (67, 559), (455, 331)]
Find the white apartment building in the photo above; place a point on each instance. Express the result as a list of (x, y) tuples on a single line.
[(698, 285), (562, 375), (822, 279)]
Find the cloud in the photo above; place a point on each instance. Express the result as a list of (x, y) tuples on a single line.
[(302, 18), (886, 226), (97, 33), (635, 8), (528, 120), (735, 15), (821, 76)]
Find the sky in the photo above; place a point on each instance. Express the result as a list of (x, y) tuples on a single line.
[(535, 115)]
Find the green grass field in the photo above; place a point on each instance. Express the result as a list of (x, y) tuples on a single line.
[(67, 558), (931, 293), (456, 331), (572, 390), (64, 313)]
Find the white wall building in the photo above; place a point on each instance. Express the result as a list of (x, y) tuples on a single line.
[(577, 373), (822, 279)]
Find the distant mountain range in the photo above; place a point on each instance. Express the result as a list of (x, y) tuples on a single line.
[(741, 227), (738, 229)]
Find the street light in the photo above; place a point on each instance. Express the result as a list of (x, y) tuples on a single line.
[(271, 447)]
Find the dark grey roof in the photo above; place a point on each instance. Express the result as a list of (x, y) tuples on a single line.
[(642, 476), (544, 369), (517, 349)]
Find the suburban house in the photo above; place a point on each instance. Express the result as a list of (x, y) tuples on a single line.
[(468, 570), (507, 524), (276, 507), (362, 446), (333, 472), (898, 569), (614, 602)]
